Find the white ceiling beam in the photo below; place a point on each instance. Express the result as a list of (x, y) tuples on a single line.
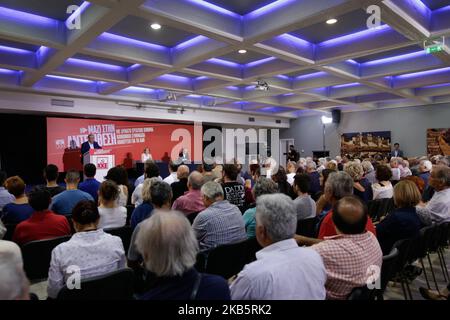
[(291, 15), (28, 29), (192, 17), (419, 61), (96, 20), (437, 90), (361, 44)]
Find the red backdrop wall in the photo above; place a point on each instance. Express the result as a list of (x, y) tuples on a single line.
[(125, 138)]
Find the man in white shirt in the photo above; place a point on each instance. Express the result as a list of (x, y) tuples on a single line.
[(283, 270), (172, 177), (438, 208)]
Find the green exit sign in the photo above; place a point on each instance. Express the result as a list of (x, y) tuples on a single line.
[(434, 49)]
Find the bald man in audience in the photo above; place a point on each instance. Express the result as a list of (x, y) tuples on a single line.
[(180, 187), (192, 200), (353, 257)]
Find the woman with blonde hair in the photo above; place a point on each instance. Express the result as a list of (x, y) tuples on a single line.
[(403, 222)]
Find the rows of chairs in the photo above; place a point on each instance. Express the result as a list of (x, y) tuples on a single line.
[(431, 239), (228, 260)]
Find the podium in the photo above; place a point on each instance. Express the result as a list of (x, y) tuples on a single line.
[(103, 160)]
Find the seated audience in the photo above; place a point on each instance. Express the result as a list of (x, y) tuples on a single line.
[(314, 176), (208, 174), (418, 182), (143, 211), (369, 172), (283, 270), (405, 171), (304, 205), (90, 184), (234, 191), (221, 222), (151, 171), (361, 186), (43, 223), (404, 222), (18, 210), (425, 171), (141, 178), (14, 284), (51, 177), (396, 169), (322, 162), (338, 185), (191, 201), (169, 247), (383, 188), (64, 202), (331, 165), (111, 215), (262, 186), (437, 210), (92, 250), (161, 199), (284, 187), (180, 187), (291, 171), (5, 196), (350, 255), (119, 175), (322, 206), (172, 177)]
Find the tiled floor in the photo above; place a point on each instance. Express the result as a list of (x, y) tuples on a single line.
[(393, 291)]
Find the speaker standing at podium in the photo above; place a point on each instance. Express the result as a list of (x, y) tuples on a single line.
[(90, 144)]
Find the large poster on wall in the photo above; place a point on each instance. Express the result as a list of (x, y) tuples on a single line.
[(126, 140), (438, 142), (365, 144)]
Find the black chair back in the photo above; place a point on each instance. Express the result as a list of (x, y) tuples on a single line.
[(37, 255), (191, 217), (388, 269), (10, 228), (307, 227), (130, 209), (380, 207), (124, 233), (230, 259), (361, 293), (403, 246), (117, 285)]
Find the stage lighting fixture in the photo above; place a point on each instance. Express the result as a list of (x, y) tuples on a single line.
[(155, 26)]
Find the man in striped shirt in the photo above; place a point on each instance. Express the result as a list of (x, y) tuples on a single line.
[(221, 222), (353, 257)]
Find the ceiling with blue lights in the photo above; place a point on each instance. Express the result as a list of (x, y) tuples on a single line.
[(309, 65)]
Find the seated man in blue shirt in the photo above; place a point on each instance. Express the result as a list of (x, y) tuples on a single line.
[(64, 202), (90, 184)]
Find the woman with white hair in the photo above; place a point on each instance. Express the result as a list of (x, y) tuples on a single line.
[(361, 186), (369, 171), (169, 248), (425, 171)]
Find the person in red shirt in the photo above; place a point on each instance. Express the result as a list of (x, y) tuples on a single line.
[(338, 185), (43, 223)]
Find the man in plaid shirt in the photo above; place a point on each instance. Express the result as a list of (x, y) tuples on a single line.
[(353, 255)]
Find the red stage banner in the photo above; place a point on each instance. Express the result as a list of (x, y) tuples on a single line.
[(126, 139)]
